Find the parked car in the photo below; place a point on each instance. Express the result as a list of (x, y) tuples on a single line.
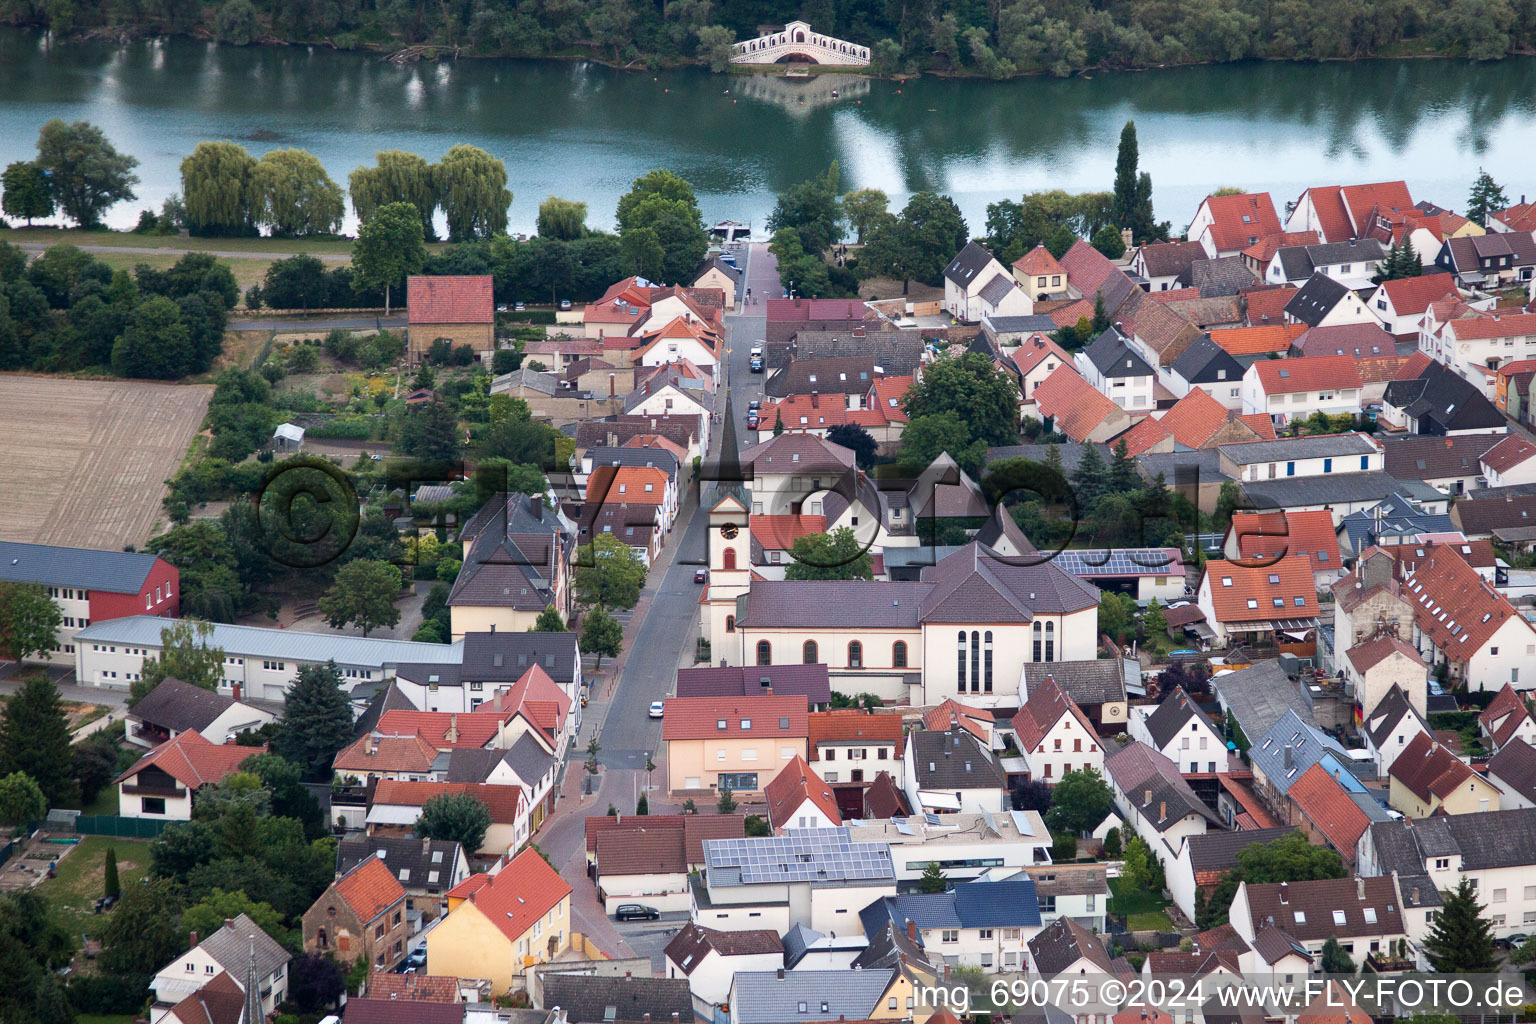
[(752, 420), (636, 912), (565, 304), (656, 708), (418, 957), (757, 364), (519, 307), (754, 405), (701, 575)]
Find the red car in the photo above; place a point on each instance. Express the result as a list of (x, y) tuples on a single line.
[(701, 575), (752, 420)]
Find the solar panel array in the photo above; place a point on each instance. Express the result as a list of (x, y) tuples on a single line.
[(800, 855), (1116, 561)]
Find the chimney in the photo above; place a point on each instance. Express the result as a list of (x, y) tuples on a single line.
[(1147, 797), (612, 385), (193, 939), (371, 746), (858, 332), (229, 922), (628, 975), (536, 506), (1289, 762), (1415, 896), (1285, 891), (1125, 237), (452, 735), (768, 692), (781, 974), (911, 929), (1162, 810), (1360, 888)]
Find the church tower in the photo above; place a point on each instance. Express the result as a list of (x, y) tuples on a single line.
[(730, 549)]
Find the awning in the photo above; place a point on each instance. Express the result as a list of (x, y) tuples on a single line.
[(942, 801)]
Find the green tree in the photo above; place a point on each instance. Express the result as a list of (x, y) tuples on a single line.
[(550, 621), (472, 190), (973, 390), (838, 555), (601, 634), (562, 218), (1460, 940), (185, 654), (813, 210), (29, 619), (926, 436), (660, 184), (34, 739), (26, 192), (591, 764), (1114, 619), (715, 46), (157, 343), (236, 23), (727, 802), (1112, 847), (918, 244), (396, 177), (1335, 960), (864, 208), (933, 879), (364, 595), (208, 914), (21, 800), (857, 440), (1126, 159), (643, 805), (85, 173), (317, 720), (1091, 477), (460, 817), (1142, 870), (143, 932), (1059, 241), (1108, 241), (1079, 801), (389, 247), (1122, 476), (294, 196), (1486, 197), (609, 572), (430, 431), (218, 185), (1153, 621), (111, 886)]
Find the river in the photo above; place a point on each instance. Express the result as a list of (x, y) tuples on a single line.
[(585, 131)]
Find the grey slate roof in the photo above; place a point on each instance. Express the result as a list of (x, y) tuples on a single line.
[(657, 457), (1071, 453), (1315, 299), (785, 680), (231, 947), (845, 375), (764, 997), (1514, 767), (1443, 398), (498, 573), (1151, 782), (1289, 747), (117, 572), (999, 325), (1388, 712), (1100, 681), (1259, 695), (1062, 943), (1334, 488), (1217, 851), (1320, 446), (1431, 457), (529, 759), (899, 352), (887, 948), (952, 760), (594, 999), (734, 273), (533, 380), (1006, 904), (968, 262), (1490, 839), (180, 707), (1114, 358), (1204, 361), (996, 289), (418, 857), (1226, 275), (1171, 259), (1393, 516), (1172, 715)]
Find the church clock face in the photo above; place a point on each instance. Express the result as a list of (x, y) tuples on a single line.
[(729, 531)]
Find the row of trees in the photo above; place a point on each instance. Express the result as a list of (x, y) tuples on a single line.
[(69, 311), (992, 39)]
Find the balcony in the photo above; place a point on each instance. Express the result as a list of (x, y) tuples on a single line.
[(169, 792)]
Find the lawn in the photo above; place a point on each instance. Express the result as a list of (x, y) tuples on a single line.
[(80, 877), (105, 802), (184, 243), (1143, 910)]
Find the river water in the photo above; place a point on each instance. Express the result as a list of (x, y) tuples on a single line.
[(585, 131)]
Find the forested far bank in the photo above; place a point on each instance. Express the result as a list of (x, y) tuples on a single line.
[(1055, 37)]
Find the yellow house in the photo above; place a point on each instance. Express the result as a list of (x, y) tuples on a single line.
[(1427, 777), (715, 273), (500, 924), (735, 743), (900, 1001)]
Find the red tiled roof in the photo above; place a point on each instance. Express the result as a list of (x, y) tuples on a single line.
[(1309, 373), (1194, 418), (1455, 607), (1384, 198), (370, 889), (1236, 219), (779, 532), (1504, 715), (1414, 294), (1261, 423), (632, 485), (376, 753), (1141, 438), (463, 299), (1042, 711), (801, 310), (1252, 341), (1498, 326), (1367, 654), (1266, 306), (698, 718), (1268, 535), (1509, 453), (1329, 808), (1037, 262), (1328, 206), (504, 801), (888, 393), (793, 786), (1075, 405), (849, 725), (1265, 248), (1176, 294), (193, 761), (1035, 350), (419, 988), (473, 730), (1362, 341), (1066, 314), (1087, 269), (1519, 217), (939, 718), (1429, 769), (1285, 581), (520, 894)]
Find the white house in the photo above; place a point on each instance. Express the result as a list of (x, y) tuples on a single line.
[(1460, 618), (1513, 769), (965, 846), (1180, 731), (1390, 726), (1506, 719), (1159, 804), (1117, 372), (646, 867), (1375, 665), (1202, 860), (1326, 302), (1364, 914), (1286, 389), (683, 338), (798, 798), (1240, 599), (951, 771), (1226, 225), (1352, 263), (175, 707), (709, 959), (235, 949), (162, 783), (1054, 736), (1401, 304), (1512, 461), (976, 285), (974, 924)]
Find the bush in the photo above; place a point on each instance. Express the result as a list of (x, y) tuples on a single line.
[(506, 360), (108, 994)]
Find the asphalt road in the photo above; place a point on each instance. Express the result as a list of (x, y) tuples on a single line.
[(667, 627)]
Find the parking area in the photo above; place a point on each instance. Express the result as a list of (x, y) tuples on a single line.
[(650, 938)]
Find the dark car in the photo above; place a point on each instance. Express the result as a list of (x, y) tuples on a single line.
[(701, 575), (636, 912), (757, 364)]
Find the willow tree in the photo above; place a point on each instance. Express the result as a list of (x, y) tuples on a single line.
[(472, 189), (397, 177), (564, 219), (217, 185), (296, 196)]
